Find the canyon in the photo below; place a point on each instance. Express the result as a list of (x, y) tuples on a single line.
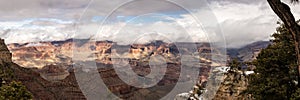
[(47, 68), (53, 63), (40, 54)]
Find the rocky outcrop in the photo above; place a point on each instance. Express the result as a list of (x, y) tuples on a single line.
[(39, 87), (5, 55), (54, 72), (235, 82), (37, 55)]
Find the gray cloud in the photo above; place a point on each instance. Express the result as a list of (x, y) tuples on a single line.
[(246, 22), (243, 21), (16, 9)]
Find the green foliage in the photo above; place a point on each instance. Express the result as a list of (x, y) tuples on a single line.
[(296, 95), (6, 73), (14, 91), (9, 89), (235, 64), (276, 72)]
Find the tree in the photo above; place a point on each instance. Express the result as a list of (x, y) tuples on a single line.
[(276, 69), (9, 88), (14, 91), (284, 13), (235, 81), (235, 64)]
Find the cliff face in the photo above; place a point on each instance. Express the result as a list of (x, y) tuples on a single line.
[(40, 54), (39, 87), (60, 53), (68, 88), (5, 55), (235, 82)]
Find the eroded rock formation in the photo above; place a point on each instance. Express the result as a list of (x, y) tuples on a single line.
[(39, 87)]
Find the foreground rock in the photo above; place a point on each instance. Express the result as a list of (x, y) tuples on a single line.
[(235, 82)]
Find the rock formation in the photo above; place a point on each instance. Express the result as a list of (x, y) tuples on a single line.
[(39, 87), (40, 54), (54, 72), (44, 55), (235, 82), (5, 55)]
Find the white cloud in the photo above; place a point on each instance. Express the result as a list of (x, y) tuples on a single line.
[(242, 21), (33, 30), (176, 29)]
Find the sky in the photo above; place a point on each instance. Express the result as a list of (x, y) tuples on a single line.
[(232, 22)]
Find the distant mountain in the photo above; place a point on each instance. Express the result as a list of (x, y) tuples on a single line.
[(40, 54), (248, 52)]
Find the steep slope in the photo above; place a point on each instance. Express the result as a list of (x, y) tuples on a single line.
[(235, 82), (60, 52), (40, 88), (249, 52)]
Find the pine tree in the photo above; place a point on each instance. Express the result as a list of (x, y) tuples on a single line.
[(276, 69), (284, 12)]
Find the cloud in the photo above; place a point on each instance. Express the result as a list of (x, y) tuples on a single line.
[(33, 30), (65, 9), (181, 29), (242, 21)]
